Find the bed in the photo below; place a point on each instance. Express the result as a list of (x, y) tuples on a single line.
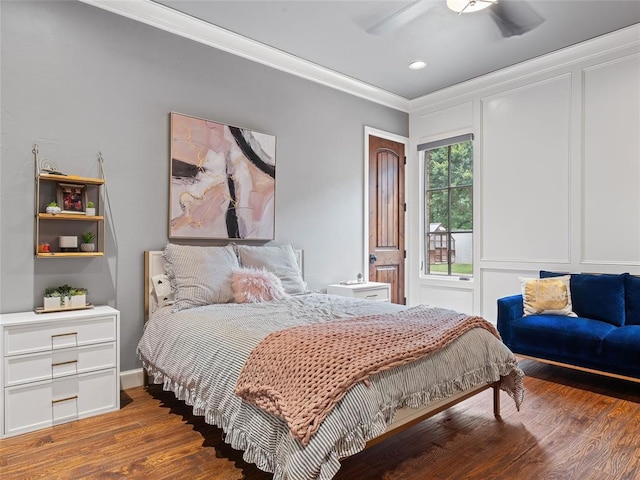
[(199, 352)]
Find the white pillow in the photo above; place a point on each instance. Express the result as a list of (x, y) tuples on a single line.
[(279, 260), (547, 295), (200, 275), (162, 289)]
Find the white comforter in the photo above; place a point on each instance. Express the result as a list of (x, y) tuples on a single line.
[(198, 354)]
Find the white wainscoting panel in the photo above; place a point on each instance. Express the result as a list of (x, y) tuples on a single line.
[(460, 299), (446, 122), (497, 284), (611, 188), (525, 173)]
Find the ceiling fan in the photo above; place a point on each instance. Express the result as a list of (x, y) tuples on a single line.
[(511, 17)]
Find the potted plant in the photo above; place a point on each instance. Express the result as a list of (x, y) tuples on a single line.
[(87, 244), (52, 299), (91, 209), (78, 297), (65, 296), (65, 293), (53, 208)]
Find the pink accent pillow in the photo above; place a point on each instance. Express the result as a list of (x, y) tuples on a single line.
[(251, 285)]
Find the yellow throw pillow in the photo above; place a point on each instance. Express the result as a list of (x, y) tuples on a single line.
[(547, 295)]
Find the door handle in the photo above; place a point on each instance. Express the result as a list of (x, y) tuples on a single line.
[(372, 258)]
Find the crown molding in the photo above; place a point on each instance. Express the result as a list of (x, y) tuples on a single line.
[(625, 39), (165, 18)]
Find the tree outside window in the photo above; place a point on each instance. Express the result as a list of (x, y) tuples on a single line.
[(448, 236)]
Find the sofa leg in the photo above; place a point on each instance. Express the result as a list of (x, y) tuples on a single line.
[(496, 399)]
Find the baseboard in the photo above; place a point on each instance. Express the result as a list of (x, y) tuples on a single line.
[(131, 379)]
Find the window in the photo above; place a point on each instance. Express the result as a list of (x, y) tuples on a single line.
[(448, 230)]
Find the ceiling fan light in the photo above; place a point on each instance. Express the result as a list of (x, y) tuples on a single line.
[(469, 6)]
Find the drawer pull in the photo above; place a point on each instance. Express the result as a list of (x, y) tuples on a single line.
[(75, 397), (64, 334), (63, 363), (374, 295), (59, 335)]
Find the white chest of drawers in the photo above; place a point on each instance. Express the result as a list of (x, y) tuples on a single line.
[(380, 292), (58, 367)]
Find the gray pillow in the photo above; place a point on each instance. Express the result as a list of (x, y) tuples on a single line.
[(279, 260), (200, 275)]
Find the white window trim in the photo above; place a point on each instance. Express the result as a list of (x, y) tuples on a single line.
[(462, 281)]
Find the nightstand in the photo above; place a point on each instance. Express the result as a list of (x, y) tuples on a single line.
[(377, 291), (58, 367)]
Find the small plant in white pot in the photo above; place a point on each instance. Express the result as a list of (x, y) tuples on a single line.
[(65, 293), (65, 296), (78, 297), (87, 244), (53, 208), (52, 299), (91, 209)]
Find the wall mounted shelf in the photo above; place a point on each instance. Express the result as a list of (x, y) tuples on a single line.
[(51, 187), (66, 216)]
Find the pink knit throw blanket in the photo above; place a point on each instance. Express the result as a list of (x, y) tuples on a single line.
[(301, 373)]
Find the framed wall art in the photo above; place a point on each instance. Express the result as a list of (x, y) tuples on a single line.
[(222, 181), (72, 198)]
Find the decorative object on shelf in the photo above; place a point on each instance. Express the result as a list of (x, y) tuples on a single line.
[(44, 248), (222, 182), (87, 244), (64, 297), (72, 197), (46, 165), (91, 209), (53, 208), (68, 243)]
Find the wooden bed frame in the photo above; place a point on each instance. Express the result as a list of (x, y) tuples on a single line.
[(404, 418)]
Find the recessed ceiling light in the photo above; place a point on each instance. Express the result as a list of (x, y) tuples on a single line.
[(417, 65)]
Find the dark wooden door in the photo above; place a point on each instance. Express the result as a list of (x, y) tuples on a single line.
[(386, 215)]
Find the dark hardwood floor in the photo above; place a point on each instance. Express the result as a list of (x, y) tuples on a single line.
[(572, 425)]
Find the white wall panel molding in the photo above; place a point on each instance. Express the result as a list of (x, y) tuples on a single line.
[(519, 260), (461, 299), (445, 122), (610, 167), (498, 283), (538, 150), (178, 23), (594, 50), (609, 266), (526, 135)]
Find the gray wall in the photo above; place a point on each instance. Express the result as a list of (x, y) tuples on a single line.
[(78, 80)]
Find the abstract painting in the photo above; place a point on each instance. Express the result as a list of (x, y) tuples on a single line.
[(222, 181)]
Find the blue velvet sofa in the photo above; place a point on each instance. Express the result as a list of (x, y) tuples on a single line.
[(604, 337)]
